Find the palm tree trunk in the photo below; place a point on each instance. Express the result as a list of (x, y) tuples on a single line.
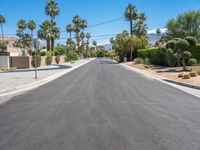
[(131, 26), (70, 35), (52, 44), (2, 33), (48, 44)]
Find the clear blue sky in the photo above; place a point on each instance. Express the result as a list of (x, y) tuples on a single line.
[(95, 11)]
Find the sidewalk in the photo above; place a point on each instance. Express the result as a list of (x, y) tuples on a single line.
[(191, 90), (20, 79)]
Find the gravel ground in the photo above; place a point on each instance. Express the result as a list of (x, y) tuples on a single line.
[(25, 76)]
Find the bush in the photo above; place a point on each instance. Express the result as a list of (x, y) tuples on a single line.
[(38, 60), (71, 56), (186, 76), (193, 74), (57, 59), (138, 60), (43, 53), (147, 66), (155, 55), (49, 60), (191, 40), (180, 75), (192, 62), (195, 51)]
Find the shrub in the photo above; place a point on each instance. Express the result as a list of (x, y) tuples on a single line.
[(49, 60), (147, 66), (192, 62), (57, 59), (193, 74), (43, 53), (195, 51), (38, 60), (180, 75), (186, 76), (71, 56), (155, 55), (191, 40), (138, 60)]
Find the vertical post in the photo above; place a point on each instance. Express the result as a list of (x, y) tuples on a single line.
[(33, 48)]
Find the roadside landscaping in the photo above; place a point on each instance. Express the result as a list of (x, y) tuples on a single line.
[(191, 76)]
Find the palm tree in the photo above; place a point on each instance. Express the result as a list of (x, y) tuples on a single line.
[(76, 21), (140, 28), (83, 24), (130, 15), (158, 32), (2, 21), (88, 36), (95, 44), (82, 36), (21, 25), (45, 32), (69, 29), (52, 9), (55, 34), (31, 25)]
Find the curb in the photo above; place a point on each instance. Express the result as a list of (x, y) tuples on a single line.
[(160, 78), (40, 82), (183, 84)]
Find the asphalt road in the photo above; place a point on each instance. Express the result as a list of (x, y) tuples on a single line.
[(101, 106)]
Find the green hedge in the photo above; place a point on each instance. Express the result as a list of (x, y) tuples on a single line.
[(195, 51), (154, 54)]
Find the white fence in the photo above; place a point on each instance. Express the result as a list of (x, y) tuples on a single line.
[(4, 62)]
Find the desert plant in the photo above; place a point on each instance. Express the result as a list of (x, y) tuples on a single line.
[(49, 60), (38, 60), (186, 76), (193, 74), (180, 75), (191, 40), (138, 61), (192, 62), (147, 61), (57, 59), (43, 53)]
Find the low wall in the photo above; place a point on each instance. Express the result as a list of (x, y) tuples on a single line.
[(20, 62), (43, 60), (4, 62)]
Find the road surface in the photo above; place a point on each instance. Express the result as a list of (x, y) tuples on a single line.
[(101, 106)]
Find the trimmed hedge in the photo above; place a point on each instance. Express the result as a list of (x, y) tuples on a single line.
[(155, 56)]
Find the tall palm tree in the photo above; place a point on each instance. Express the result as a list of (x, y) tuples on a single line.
[(83, 24), (2, 21), (76, 21), (69, 29), (130, 15), (45, 33), (82, 36), (55, 34), (31, 26), (52, 9), (158, 32), (22, 25), (88, 36)]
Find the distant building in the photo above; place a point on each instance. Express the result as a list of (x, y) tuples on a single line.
[(14, 51)]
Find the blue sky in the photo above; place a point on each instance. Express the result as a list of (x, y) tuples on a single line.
[(95, 11)]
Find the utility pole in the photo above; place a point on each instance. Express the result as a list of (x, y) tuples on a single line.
[(33, 49)]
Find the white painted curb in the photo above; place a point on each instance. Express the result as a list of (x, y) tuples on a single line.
[(19, 89)]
